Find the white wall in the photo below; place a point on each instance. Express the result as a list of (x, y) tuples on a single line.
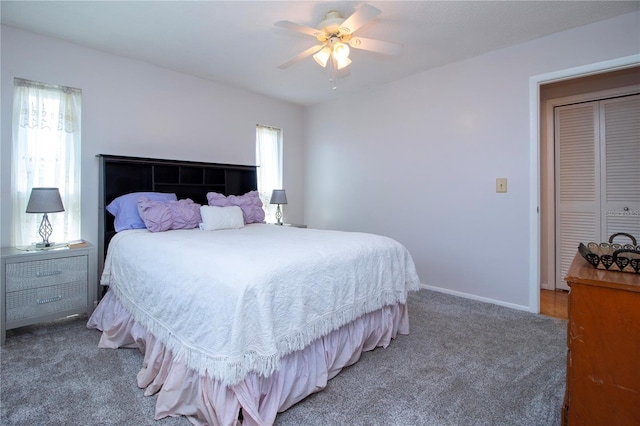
[(133, 108), (417, 160)]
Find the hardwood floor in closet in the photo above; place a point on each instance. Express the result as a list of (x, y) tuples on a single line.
[(554, 303)]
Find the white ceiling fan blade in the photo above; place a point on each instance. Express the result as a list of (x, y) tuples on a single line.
[(299, 28), (360, 17), (376, 46), (310, 51)]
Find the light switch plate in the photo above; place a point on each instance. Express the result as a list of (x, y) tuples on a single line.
[(501, 184)]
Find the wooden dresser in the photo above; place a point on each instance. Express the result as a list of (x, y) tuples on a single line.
[(603, 340)]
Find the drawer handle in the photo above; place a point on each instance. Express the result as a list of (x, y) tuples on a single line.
[(49, 273), (49, 300)]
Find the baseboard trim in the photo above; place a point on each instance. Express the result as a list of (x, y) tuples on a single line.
[(546, 286), (476, 297)]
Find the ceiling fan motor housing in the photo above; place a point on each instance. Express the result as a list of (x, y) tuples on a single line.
[(331, 23)]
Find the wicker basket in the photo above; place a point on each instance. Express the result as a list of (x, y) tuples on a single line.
[(613, 256)]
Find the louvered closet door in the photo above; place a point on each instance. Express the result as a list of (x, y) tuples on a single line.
[(577, 182), (621, 166), (597, 175)]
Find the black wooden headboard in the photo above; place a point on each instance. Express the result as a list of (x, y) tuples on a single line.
[(121, 175)]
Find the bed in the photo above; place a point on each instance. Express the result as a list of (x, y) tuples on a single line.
[(240, 323)]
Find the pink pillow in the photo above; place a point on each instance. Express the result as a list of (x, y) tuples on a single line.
[(249, 203), (160, 216)]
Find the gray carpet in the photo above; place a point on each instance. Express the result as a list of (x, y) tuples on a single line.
[(464, 363)]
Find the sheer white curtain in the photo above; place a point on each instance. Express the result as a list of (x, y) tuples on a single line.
[(269, 161), (46, 153)]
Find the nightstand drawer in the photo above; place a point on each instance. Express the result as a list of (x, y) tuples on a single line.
[(41, 301), (43, 273)]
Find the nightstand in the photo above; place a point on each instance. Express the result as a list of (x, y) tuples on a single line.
[(43, 285), (293, 225)]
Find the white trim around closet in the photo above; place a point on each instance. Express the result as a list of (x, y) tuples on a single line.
[(534, 156)]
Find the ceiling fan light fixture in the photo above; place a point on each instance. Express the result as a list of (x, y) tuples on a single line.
[(335, 36), (323, 56), (341, 51), (342, 63)]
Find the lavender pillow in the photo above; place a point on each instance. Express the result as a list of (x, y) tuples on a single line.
[(185, 213), (156, 215), (125, 209), (160, 216), (249, 203), (217, 199)]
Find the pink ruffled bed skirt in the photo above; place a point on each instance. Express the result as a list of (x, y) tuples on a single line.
[(205, 401)]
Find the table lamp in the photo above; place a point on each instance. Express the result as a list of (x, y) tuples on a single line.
[(45, 200), (278, 196)]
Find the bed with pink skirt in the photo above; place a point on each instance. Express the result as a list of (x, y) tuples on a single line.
[(236, 325)]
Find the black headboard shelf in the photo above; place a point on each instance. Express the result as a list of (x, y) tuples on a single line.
[(121, 175)]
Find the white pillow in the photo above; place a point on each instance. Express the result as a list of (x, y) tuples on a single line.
[(215, 218)]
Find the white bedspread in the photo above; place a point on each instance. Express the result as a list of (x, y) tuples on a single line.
[(234, 301)]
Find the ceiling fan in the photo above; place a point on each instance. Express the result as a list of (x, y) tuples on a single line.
[(335, 35)]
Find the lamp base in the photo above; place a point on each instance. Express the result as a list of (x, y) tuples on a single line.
[(45, 231)]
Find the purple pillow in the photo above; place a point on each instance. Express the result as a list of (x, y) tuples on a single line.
[(160, 216), (186, 214), (249, 203), (156, 215), (217, 199), (125, 209)]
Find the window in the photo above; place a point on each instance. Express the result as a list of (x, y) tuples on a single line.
[(269, 162), (46, 153)]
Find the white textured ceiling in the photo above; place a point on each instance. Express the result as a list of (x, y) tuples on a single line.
[(237, 44)]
